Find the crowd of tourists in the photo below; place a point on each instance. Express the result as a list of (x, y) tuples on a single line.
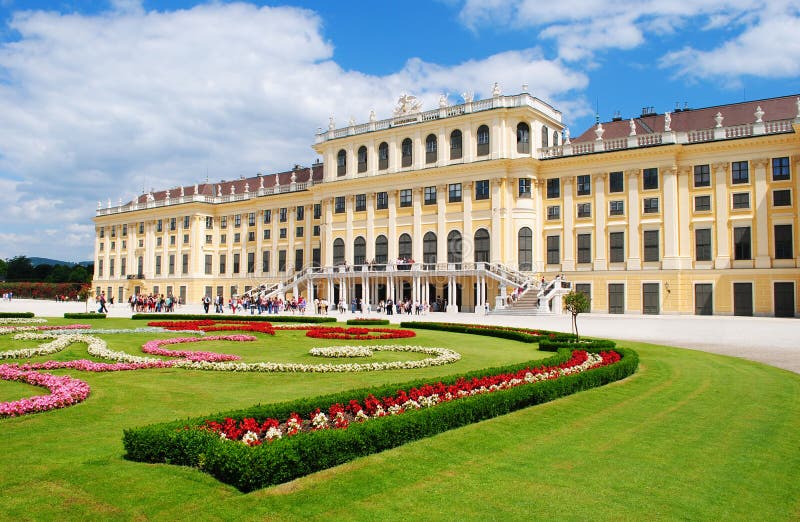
[(151, 303)]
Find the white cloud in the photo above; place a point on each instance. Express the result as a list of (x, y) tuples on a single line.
[(101, 106)]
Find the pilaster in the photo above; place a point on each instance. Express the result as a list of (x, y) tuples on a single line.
[(600, 210), (723, 258), (760, 206), (634, 211), (568, 231)]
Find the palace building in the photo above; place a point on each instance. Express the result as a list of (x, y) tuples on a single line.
[(689, 212)]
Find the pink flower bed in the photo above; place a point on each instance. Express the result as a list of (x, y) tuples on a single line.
[(154, 347), (91, 366), (64, 391)]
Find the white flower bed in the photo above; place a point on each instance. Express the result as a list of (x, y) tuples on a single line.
[(341, 351), (22, 320)]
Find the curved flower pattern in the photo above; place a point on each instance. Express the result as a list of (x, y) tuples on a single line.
[(64, 391), (154, 347), (358, 333), (341, 351)]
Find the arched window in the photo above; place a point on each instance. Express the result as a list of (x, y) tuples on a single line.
[(555, 138), (523, 138), (383, 156), (431, 150), (454, 247), (429, 248), (483, 140), (362, 159), (455, 145), (359, 251), (545, 134), (482, 245), (525, 249), (341, 163), (407, 148), (338, 251), (381, 250), (404, 247)]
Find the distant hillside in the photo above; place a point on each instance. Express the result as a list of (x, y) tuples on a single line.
[(36, 261)]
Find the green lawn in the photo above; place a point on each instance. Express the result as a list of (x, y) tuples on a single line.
[(691, 436)]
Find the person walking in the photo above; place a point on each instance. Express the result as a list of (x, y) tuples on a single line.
[(102, 300)]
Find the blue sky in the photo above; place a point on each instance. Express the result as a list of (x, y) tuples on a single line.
[(100, 100)]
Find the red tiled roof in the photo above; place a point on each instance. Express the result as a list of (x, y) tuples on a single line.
[(783, 108), (252, 184)]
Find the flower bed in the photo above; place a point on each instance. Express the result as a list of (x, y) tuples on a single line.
[(341, 351), (64, 391), (154, 347), (213, 325), (359, 334), (21, 319), (287, 456)]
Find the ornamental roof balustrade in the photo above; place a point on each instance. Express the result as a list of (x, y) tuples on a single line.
[(518, 100), (203, 198)]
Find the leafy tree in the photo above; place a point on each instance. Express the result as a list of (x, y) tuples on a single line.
[(60, 274), (19, 268), (80, 275), (41, 272), (3, 267), (576, 303)]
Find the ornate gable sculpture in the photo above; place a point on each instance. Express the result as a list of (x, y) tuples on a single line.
[(407, 104)]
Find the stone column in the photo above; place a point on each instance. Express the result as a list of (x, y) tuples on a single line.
[(568, 231), (441, 224), (670, 218), (392, 226), (684, 219), (538, 231), (600, 212), (370, 227), (723, 258), (760, 207), (497, 230), (416, 236), (326, 237), (634, 210)]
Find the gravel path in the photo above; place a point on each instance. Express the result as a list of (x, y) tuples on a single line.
[(769, 340)]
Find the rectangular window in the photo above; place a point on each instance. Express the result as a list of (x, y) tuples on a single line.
[(482, 189), (124, 230), (223, 222), (111, 267), (300, 213), (185, 222), (524, 187), (361, 202), (585, 289), (282, 233), (100, 267), (553, 250), (616, 182), (740, 172), (141, 227), (298, 232), (236, 267), (651, 245), (650, 179), (651, 205), (267, 233), (209, 222), (382, 200), (251, 262), (208, 264), (430, 195), (173, 224), (251, 236), (783, 242), (616, 298), (265, 261), (159, 226), (584, 184), (267, 216), (185, 264), (454, 193), (222, 262), (702, 244), (616, 207), (101, 246), (616, 247), (702, 176), (553, 188), (405, 198), (315, 231), (741, 243), (298, 260), (741, 200), (123, 267), (158, 265), (339, 204), (281, 260), (172, 240), (171, 264), (103, 232), (251, 219), (223, 239), (237, 237), (159, 241), (780, 169), (283, 215), (317, 210), (584, 210), (554, 212), (186, 239), (782, 198), (584, 248), (702, 203)]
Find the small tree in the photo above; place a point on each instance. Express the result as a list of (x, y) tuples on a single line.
[(576, 303)]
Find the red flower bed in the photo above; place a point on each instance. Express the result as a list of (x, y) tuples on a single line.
[(253, 432), (358, 333), (209, 325)]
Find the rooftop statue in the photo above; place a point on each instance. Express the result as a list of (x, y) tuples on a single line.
[(407, 104)]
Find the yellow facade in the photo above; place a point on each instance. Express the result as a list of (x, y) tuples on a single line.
[(643, 227)]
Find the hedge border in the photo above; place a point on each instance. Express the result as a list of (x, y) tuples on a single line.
[(234, 317), (365, 322), (15, 315), (249, 468), (505, 332), (82, 315)]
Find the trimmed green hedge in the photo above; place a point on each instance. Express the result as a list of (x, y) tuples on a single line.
[(505, 332), (14, 315), (364, 322), (160, 316), (81, 315), (249, 468)]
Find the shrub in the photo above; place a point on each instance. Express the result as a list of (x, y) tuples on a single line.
[(10, 315), (524, 335), (368, 321), (81, 315)]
